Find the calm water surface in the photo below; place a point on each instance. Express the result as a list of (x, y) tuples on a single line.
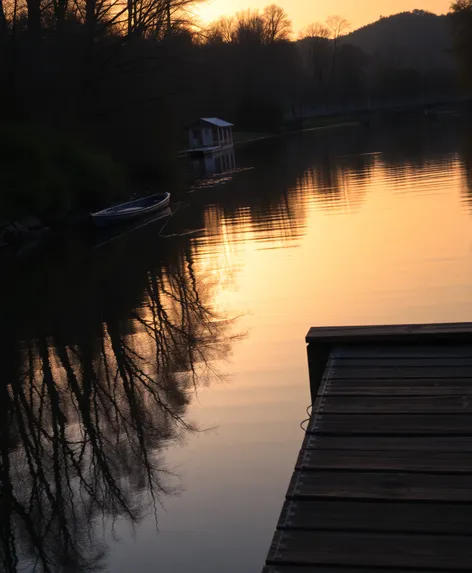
[(157, 384)]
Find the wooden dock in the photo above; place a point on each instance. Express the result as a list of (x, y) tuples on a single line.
[(383, 482)]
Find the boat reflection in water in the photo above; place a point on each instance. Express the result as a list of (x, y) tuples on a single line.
[(90, 398)]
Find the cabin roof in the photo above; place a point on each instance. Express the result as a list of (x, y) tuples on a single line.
[(216, 121)]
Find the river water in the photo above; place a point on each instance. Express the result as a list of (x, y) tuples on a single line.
[(155, 386)]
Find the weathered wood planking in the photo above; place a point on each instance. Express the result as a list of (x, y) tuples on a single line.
[(382, 516), (455, 333), (389, 443), (383, 481), (380, 424), (433, 361), (460, 404), (378, 460), (401, 387), (359, 484), (323, 569), (372, 549), (388, 351), (413, 372)]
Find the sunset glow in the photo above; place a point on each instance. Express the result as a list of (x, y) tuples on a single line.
[(304, 12)]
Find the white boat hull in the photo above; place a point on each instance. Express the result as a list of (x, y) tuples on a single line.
[(130, 210)]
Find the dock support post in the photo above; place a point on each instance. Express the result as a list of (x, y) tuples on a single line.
[(318, 354)]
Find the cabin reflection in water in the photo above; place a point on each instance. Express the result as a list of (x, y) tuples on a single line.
[(214, 163)]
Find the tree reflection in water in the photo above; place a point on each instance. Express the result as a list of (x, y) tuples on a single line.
[(467, 159), (83, 419)]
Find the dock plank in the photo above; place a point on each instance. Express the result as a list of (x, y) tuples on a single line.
[(405, 461), (392, 334), (400, 387), (407, 424), (372, 351), (395, 404), (388, 443), (371, 550), (380, 516), (380, 485), (323, 569), (394, 372), (432, 361)]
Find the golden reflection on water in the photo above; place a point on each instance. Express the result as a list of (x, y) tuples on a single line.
[(383, 245)]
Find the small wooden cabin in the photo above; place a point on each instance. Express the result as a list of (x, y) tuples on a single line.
[(210, 133)]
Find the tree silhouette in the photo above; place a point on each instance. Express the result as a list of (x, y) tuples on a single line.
[(278, 27), (338, 26), (251, 27), (461, 12), (315, 30)]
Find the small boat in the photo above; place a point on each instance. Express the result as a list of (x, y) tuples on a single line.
[(131, 210)]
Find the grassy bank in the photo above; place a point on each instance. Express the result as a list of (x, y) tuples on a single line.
[(311, 124), (53, 176)]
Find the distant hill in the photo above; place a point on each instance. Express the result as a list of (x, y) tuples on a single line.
[(416, 39)]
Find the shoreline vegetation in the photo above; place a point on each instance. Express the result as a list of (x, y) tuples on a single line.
[(50, 179), (97, 93), (52, 175), (243, 138)]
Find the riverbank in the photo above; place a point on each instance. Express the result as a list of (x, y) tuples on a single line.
[(242, 138), (54, 180), (49, 179), (50, 175)]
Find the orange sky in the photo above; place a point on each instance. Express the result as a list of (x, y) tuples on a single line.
[(303, 12)]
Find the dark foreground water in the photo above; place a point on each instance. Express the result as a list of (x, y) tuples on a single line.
[(152, 389)]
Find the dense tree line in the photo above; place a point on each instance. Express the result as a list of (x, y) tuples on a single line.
[(326, 69), (105, 70), (462, 27)]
